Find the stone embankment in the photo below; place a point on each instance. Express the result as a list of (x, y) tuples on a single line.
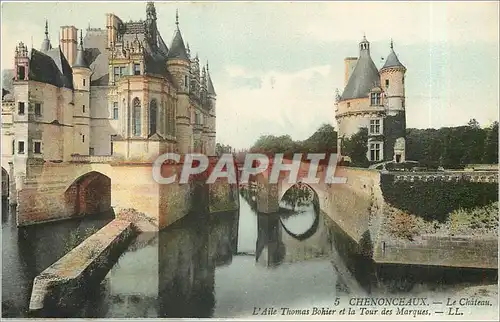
[(88, 261)]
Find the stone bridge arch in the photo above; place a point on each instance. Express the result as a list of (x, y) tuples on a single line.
[(90, 193)]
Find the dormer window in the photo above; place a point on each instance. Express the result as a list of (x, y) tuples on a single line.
[(137, 69), (375, 99)]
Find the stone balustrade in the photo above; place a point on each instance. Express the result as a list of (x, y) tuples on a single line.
[(486, 176), (91, 158)]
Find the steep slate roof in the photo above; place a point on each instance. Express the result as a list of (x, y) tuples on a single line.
[(392, 60), (96, 56), (364, 78), (210, 85), (177, 49), (50, 67), (80, 55)]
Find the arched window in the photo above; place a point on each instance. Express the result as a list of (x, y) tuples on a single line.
[(136, 117), (162, 118), (153, 110)]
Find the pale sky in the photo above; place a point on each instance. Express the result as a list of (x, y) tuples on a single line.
[(276, 65)]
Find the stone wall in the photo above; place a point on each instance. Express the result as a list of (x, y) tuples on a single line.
[(222, 196), (60, 286)]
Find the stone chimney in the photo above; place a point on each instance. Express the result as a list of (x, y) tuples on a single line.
[(350, 63), (69, 40)]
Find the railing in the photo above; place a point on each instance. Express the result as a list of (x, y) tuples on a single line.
[(447, 176), (91, 158)]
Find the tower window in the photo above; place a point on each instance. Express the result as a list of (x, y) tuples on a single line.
[(136, 116), (186, 81), (83, 108), (375, 99), (13, 146), (137, 69), (375, 149), (20, 147), (375, 126), (84, 82), (38, 109), (21, 72), (83, 138), (115, 110), (348, 104), (386, 83), (20, 108), (37, 147)]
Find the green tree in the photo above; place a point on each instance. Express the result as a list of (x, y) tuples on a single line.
[(356, 148), (491, 144)]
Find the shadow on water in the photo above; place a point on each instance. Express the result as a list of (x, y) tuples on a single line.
[(225, 264), (27, 251)]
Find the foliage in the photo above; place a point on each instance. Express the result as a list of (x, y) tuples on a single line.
[(434, 200), (297, 195), (481, 220), (356, 148), (453, 147), (77, 236), (403, 225), (220, 149), (324, 140)]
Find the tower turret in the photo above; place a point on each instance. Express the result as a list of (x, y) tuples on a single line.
[(178, 65), (46, 46), (392, 76), (212, 114), (21, 61)]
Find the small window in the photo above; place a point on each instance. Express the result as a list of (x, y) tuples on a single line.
[(20, 109), (83, 138), (375, 126), (116, 73), (37, 147), (122, 71), (386, 83), (13, 146), (375, 99), (38, 109), (375, 151), (348, 104), (83, 108), (115, 110), (91, 151), (137, 69), (21, 72), (403, 104), (186, 81), (84, 82), (20, 147)]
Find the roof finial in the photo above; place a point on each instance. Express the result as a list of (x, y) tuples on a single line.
[(207, 66), (46, 29), (177, 18), (81, 39), (392, 44)]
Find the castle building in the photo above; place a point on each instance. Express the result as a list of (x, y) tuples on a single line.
[(119, 91), (373, 99)]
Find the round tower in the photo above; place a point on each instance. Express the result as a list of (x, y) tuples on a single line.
[(392, 81), (211, 95), (178, 64), (81, 84)]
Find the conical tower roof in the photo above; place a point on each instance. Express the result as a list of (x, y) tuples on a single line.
[(46, 45), (392, 60), (365, 75), (80, 55), (210, 85), (178, 49)]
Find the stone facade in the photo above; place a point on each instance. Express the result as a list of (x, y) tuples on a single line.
[(119, 91), (374, 99)]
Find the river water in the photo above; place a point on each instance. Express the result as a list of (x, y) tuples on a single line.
[(232, 264)]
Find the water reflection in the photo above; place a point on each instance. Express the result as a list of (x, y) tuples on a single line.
[(27, 251)]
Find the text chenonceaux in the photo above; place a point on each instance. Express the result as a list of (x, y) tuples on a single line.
[(255, 163)]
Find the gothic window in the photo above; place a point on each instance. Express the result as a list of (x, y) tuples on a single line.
[(116, 72), (161, 124), (137, 69), (136, 116), (375, 99), (375, 151), (115, 110), (375, 126), (153, 110), (21, 72)]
